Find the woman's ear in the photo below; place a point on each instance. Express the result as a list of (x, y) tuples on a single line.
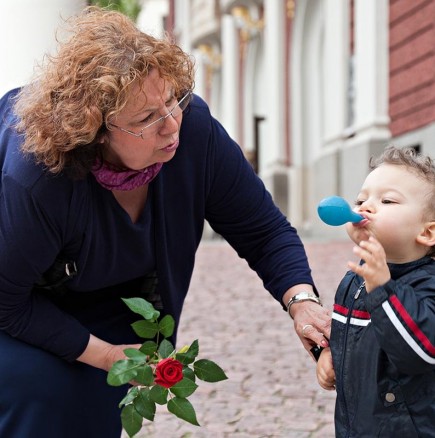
[(427, 235), (101, 139)]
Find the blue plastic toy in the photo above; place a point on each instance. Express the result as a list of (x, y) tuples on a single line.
[(336, 211)]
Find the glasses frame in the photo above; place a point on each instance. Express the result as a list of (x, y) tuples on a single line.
[(185, 99)]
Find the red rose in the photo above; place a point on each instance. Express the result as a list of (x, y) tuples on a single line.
[(168, 372)]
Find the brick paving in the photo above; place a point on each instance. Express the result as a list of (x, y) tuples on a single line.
[(272, 390)]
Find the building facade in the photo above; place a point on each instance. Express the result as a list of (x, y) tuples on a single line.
[(310, 89)]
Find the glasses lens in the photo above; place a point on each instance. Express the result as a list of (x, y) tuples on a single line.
[(181, 105), (153, 127)]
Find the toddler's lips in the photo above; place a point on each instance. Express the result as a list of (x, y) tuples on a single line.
[(362, 223)]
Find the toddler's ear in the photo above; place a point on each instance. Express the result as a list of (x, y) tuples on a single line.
[(427, 235)]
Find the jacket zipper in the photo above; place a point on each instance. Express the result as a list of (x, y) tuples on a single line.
[(358, 292), (355, 297)]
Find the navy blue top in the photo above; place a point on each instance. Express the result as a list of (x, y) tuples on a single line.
[(208, 179)]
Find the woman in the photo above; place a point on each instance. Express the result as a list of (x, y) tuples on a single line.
[(109, 168)]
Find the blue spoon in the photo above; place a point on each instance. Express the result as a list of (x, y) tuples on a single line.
[(336, 211)]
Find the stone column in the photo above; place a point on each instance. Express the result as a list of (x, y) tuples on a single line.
[(230, 76), (28, 27), (371, 66), (371, 130), (274, 31), (335, 83)]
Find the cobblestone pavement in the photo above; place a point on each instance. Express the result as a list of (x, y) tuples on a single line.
[(271, 389)]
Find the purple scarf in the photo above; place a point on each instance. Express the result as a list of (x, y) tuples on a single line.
[(115, 178)]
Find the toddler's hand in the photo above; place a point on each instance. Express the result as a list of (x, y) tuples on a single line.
[(325, 370), (375, 270)]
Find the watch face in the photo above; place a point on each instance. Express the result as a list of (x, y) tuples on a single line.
[(303, 296)]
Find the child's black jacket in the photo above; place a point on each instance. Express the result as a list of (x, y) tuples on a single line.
[(383, 347)]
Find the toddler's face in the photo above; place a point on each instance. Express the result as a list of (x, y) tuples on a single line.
[(393, 199)]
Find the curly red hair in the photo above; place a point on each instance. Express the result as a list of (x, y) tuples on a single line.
[(64, 111)]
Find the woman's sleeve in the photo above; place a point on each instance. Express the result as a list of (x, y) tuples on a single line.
[(30, 239), (241, 210)]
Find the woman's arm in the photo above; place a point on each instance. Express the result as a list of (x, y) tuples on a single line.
[(101, 354)]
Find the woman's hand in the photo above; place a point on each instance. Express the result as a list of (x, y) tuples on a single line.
[(325, 370), (101, 354), (312, 321)]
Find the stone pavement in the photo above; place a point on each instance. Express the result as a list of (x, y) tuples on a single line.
[(271, 389)]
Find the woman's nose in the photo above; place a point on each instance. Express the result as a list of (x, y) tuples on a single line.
[(169, 125)]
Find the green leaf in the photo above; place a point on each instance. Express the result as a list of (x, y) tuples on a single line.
[(159, 394), (208, 371), (149, 348), (145, 329), (129, 397), (122, 372), (142, 307), (145, 375), (166, 326), (131, 420), (135, 354), (165, 349), (189, 356), (143, 405), (184, 358), (188, 372), (182, 408), (194, 348), (131, 8), (184, 388)]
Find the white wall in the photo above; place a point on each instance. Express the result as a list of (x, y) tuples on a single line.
[(150, 19), (27, 32)]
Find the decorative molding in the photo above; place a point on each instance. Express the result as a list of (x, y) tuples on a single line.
[(291, 9), (248, 26)]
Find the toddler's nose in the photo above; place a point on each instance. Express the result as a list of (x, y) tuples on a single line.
[(366, 206)]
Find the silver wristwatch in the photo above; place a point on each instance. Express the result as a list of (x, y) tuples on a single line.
[(303, 296)]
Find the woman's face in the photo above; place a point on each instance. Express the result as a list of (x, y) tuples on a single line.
[(148, 101)]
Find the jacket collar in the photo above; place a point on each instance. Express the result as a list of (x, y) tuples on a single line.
[(399, 269)]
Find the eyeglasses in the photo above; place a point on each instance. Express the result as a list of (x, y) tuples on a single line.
[(153, 127)]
